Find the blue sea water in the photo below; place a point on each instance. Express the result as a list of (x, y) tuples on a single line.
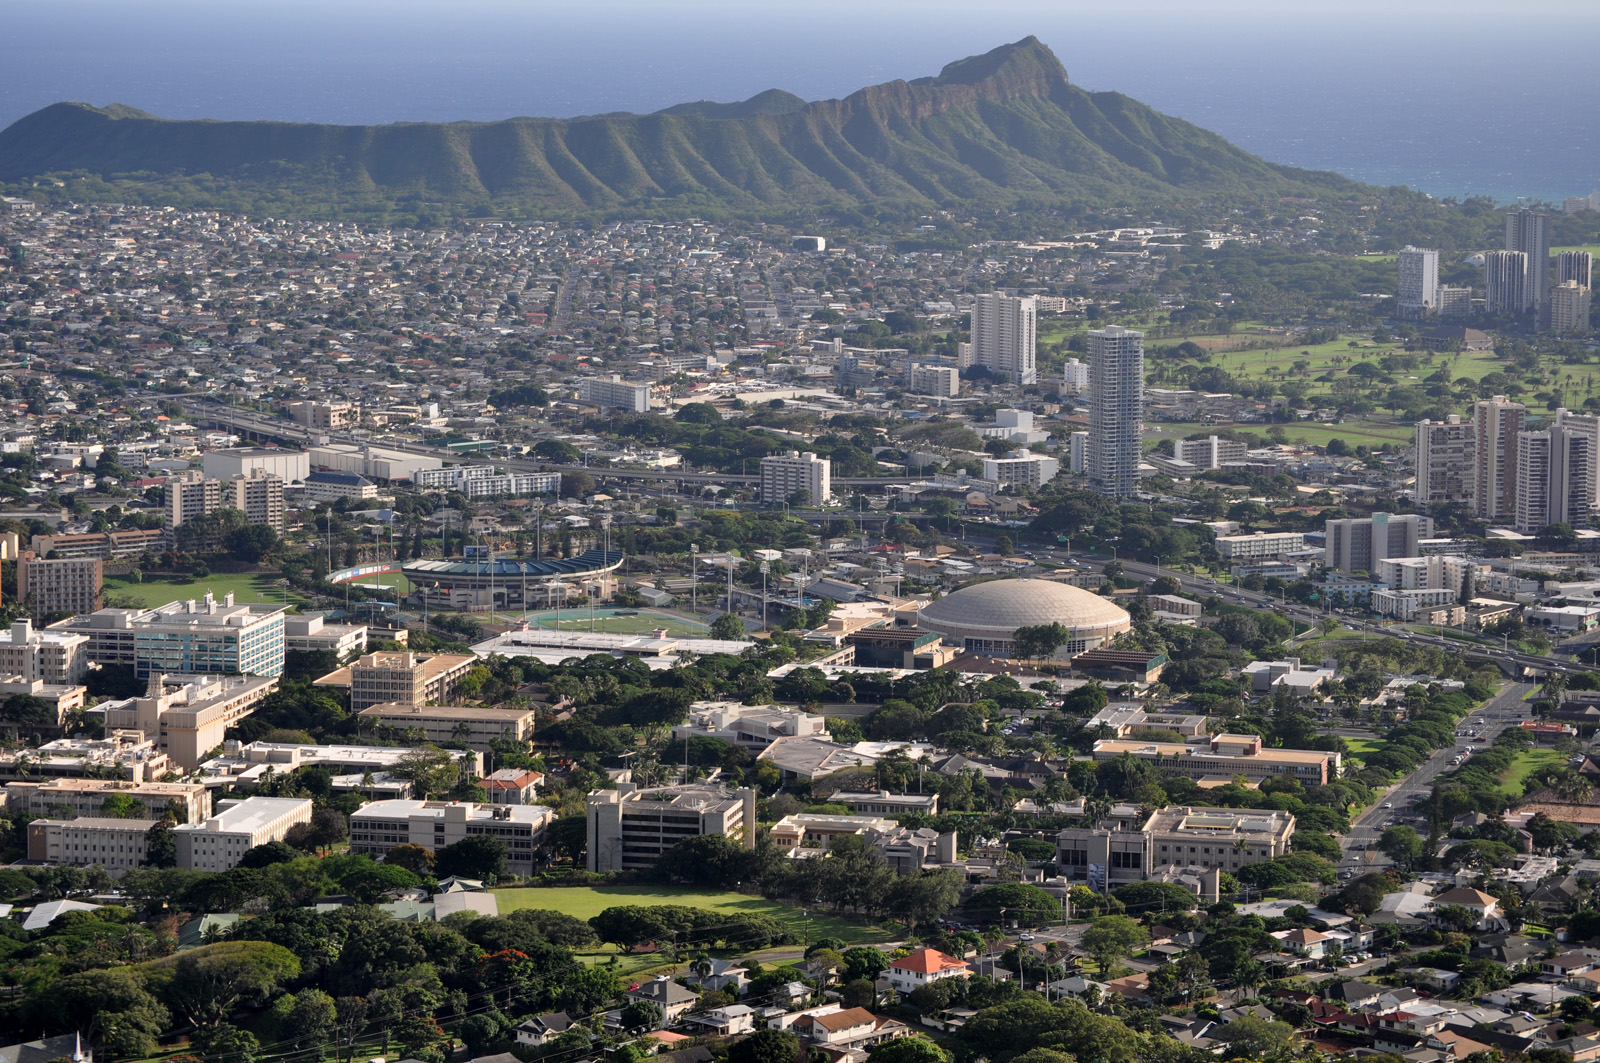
[(1459, 98)]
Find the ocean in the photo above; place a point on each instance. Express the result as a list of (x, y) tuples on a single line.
[(1457, 99)]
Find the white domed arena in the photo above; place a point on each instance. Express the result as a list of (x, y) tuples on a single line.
[(983, 617)]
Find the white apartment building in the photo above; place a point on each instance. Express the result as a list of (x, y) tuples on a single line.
[(218, 842), (1588, 426), (1497, 421), (614, 393), (1433, 572), (1419, 281), (940, 381), (1116, 409), (379, 826), (798, 470), (1569, 307), (1259, 545), (257, 494), (1505, 281), (1446, 461), (1209, 453), (330, 486), (1417, 604), (1078, 453), (513, 485), (1004, 336), (1021, 469), (1528, 234), (1359, 544), (1555, 479), (1074, 377), (191, 494), (452, 476)]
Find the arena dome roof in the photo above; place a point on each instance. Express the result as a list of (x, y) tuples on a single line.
[(1002, 606)]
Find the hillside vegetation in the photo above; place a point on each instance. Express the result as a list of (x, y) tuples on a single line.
[(1004, 128)]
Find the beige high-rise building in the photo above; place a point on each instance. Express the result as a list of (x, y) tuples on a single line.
[(1446, 461), (191, 494), (1116, 409), (1528, 232), (798, 470), (257, 494), (1004, 336), (1569, 307), (1497, 420), (1555, 479), (397, 676), (1588, 426), (67, 586)]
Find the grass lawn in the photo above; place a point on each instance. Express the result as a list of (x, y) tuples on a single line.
[(1360, 747), (585, 902), (1528, 761), (156, 590)]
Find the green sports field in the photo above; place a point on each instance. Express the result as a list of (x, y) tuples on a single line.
[(586, 902), (155, 590)]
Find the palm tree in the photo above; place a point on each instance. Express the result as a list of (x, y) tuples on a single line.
[(1096, 809)]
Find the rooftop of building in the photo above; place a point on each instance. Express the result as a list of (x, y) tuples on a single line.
[(207, 613), (138, 826), (399, 808), (446, 712), (1178, 749), (425, 666), (1218, 821), (699, 796), (250, 815)]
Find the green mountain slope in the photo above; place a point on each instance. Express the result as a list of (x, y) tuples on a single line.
[(1001, 128)]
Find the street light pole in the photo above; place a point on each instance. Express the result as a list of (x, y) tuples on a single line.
[(694, 578)]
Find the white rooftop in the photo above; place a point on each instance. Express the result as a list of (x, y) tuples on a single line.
[(249, 815)]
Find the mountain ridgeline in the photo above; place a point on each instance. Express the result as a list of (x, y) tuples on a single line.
[(1003, 128)]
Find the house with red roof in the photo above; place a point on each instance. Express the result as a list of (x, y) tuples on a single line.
[(924, 966)]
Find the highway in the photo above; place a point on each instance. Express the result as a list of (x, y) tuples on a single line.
[(1504, 710)]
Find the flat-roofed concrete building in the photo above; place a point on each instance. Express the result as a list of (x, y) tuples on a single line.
[(377, 827), (50, 656), (126, 754), (218, 842), (1225, 756), (257, 494), (186, 637), (1128, 845), (1447, 461), (1258, 545), (112, 843), (883, 803), (107, 546), (313, 634), (477, 726), (72, 585), (287, 465), (629, 828), (63, 798), (752, 727), (191, 494), (188, 715), (244, 765), (398, 676)]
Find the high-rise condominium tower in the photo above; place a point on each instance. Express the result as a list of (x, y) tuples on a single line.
[(1419, 281), (1569, 307), (1555, 479), (1446, 465), (1528, 231), (1575, 266), (1498, 420), (1004, 329), (1505, 281), (1116, 409)]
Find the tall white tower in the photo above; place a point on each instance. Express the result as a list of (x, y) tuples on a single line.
[(1004, 331), (1528, 231), (1116, 409), (1419, 281)]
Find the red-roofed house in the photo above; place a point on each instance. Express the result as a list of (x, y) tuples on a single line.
[(513, 786), (850, 1028), (924, 966)]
